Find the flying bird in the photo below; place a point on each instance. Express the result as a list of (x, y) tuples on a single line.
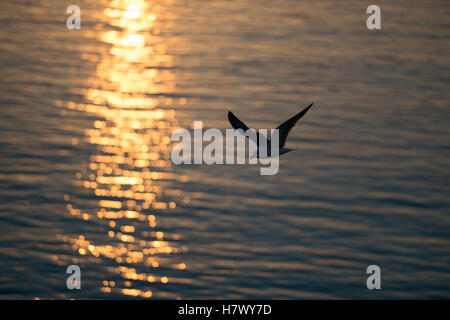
[(283, 128)]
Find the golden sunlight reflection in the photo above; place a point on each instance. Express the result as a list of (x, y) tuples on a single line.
[(132, 136)]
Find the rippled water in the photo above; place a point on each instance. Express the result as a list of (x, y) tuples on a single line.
[(85, 171)]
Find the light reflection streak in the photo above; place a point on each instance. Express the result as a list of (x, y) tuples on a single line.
[(132, 139)]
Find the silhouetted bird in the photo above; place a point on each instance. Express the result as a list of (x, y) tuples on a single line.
[(283, 128)]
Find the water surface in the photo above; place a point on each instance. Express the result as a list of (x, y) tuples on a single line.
[(85, 172)]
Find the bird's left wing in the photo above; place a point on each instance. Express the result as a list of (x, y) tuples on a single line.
[(286, 126), (238, 124)]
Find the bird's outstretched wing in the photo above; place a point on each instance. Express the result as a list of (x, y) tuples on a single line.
[(238, 124), (286, 126)]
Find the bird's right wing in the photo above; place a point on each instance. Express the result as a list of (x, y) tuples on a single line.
[(238, 124), (286, 126)]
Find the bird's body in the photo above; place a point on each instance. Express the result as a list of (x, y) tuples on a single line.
[(283, 128)]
